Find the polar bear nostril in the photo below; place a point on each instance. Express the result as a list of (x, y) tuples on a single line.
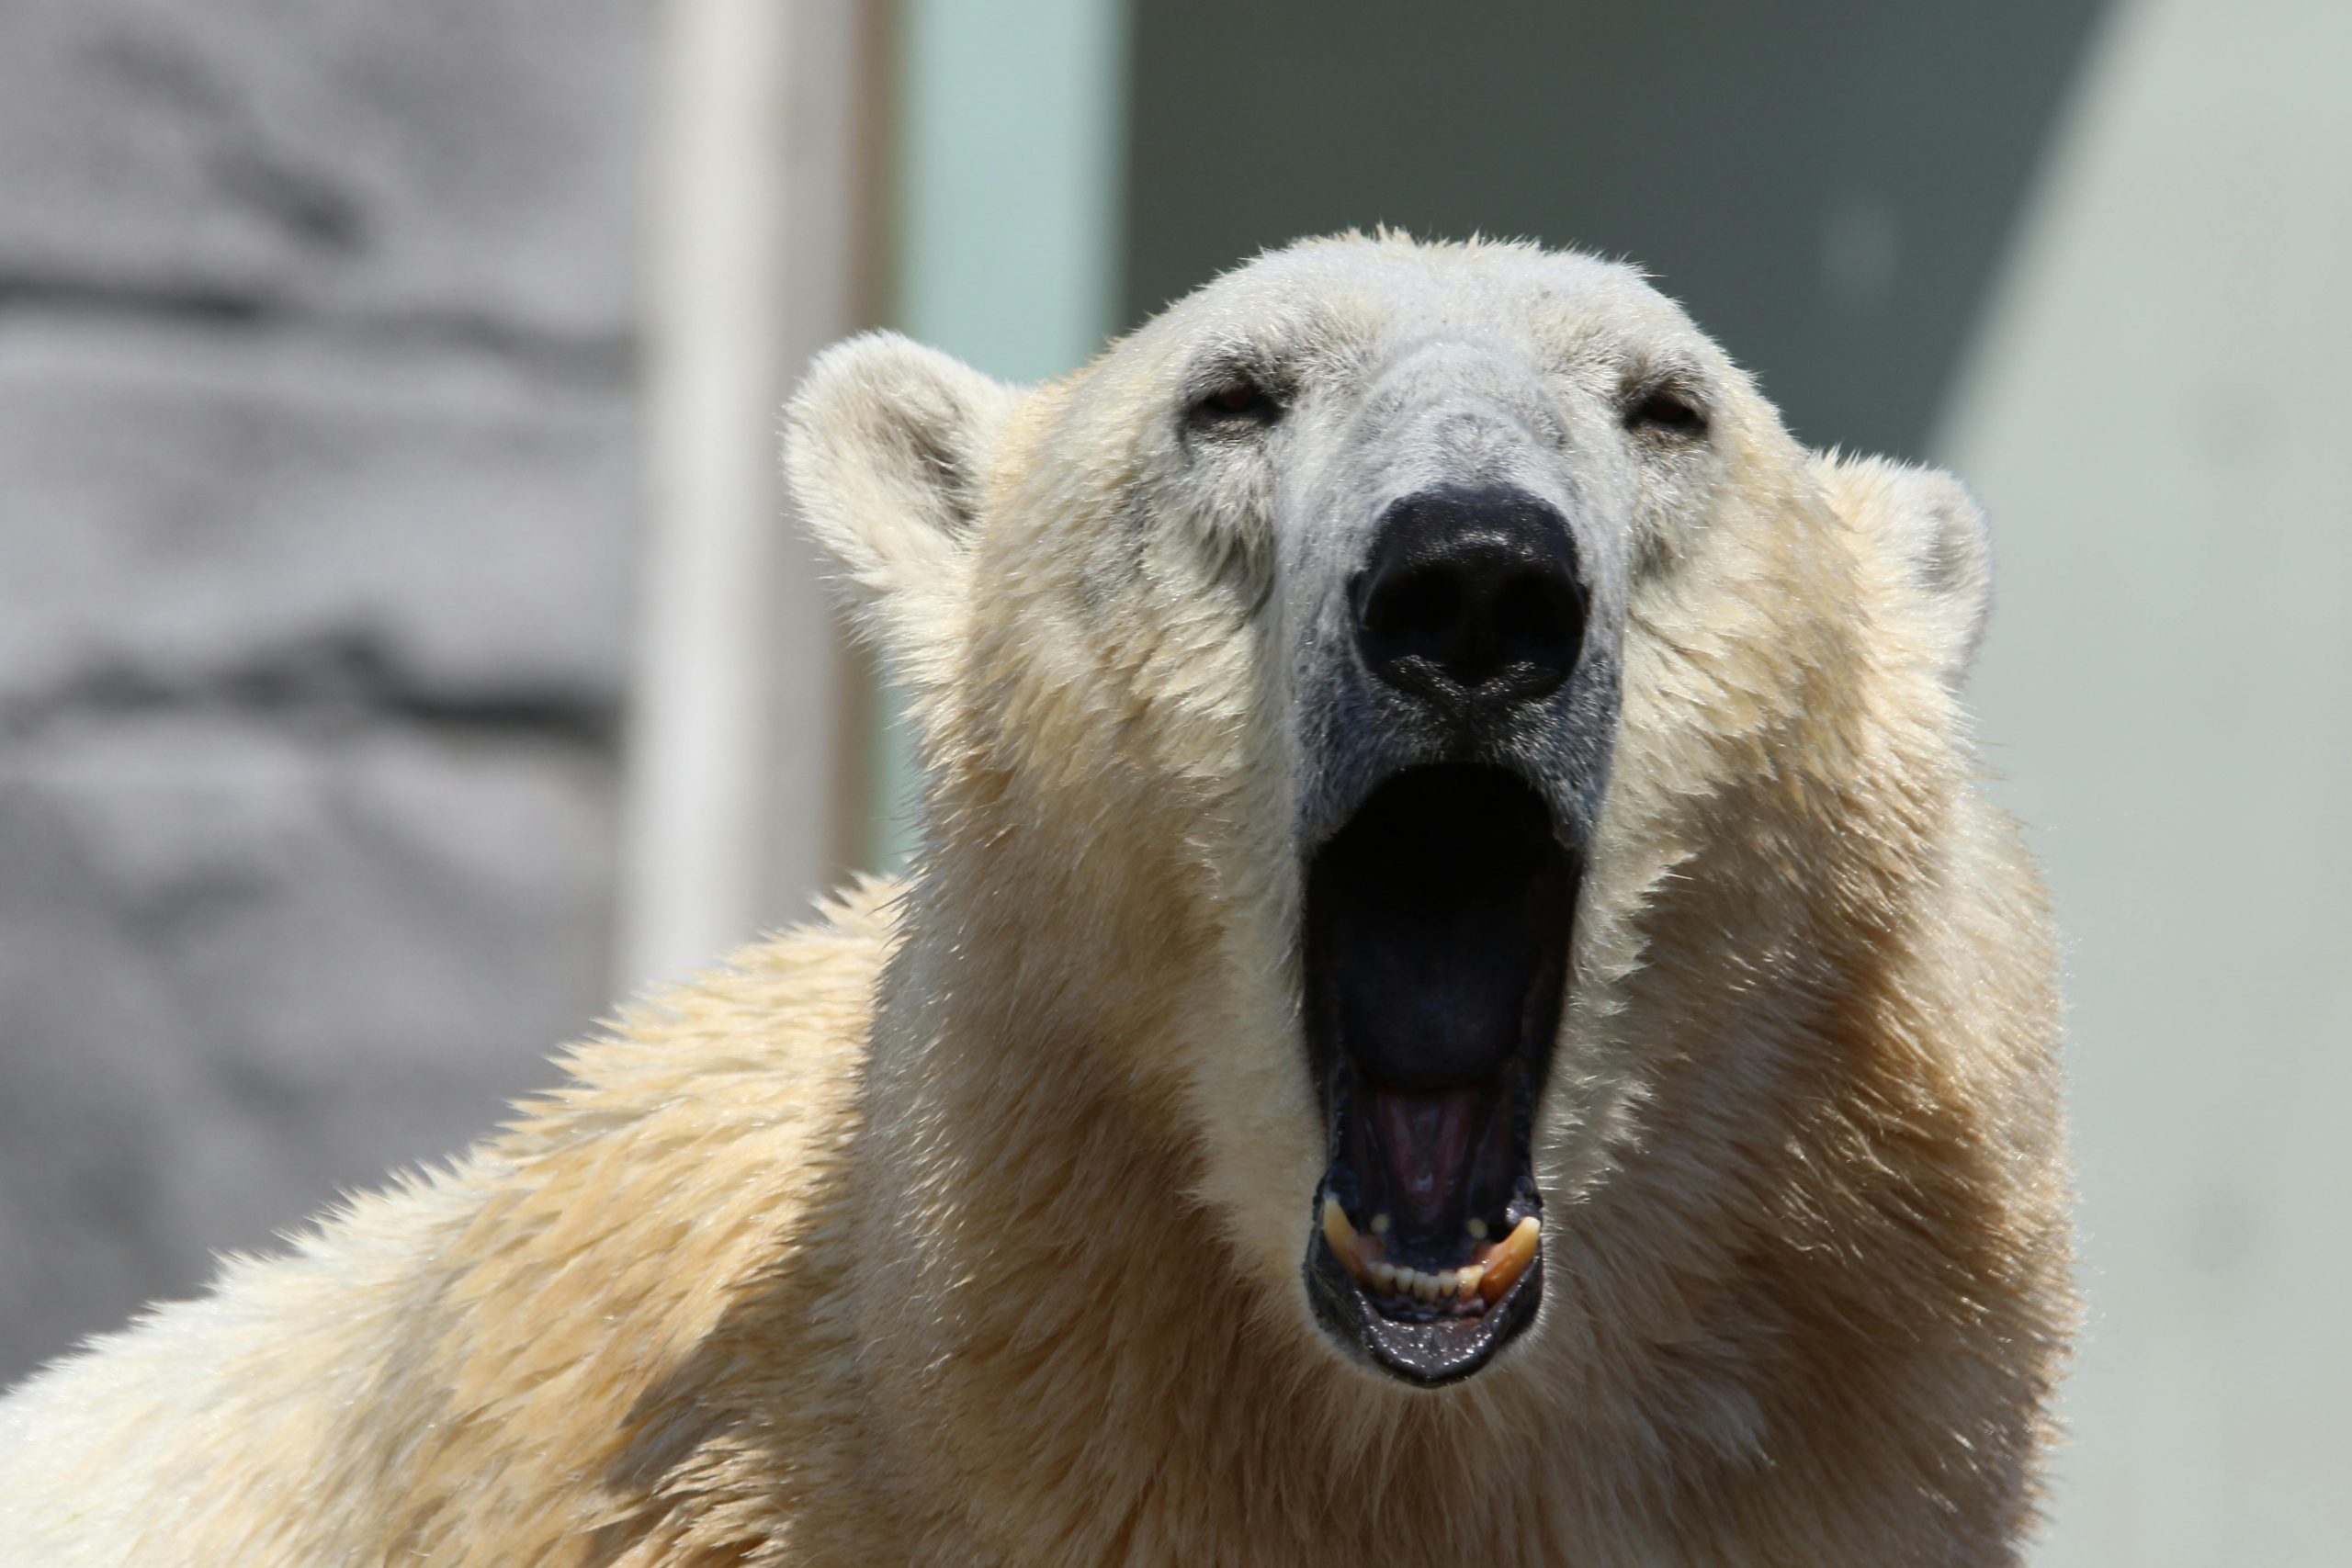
[(1471, 597)]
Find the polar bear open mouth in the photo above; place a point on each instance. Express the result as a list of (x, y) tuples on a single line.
[(1436, 941)]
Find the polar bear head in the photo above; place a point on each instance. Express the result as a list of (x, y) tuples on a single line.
[(1378, 712)]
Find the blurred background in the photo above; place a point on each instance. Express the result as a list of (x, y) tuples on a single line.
[(404, 648)]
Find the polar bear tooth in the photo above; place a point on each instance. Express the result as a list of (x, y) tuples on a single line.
[(1507, 1259), (1466, 1282), (1384, 1276), (1341, 1237)]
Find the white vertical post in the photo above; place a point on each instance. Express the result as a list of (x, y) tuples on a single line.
[(755, 199)]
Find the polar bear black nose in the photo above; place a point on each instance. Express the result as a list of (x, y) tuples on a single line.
[(1471, 598)]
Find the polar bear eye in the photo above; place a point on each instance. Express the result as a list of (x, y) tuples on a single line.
[(1664, 412), (1236, 401)]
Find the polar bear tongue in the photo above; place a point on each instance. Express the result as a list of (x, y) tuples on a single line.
[(1426, 1139)]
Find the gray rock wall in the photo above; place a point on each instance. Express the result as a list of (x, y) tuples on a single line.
[(317, 487)]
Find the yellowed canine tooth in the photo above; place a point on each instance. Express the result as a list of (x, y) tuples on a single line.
[(1342, 1235), (1506, 1260)]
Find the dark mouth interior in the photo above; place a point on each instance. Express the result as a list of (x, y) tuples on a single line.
[(1437, 939)]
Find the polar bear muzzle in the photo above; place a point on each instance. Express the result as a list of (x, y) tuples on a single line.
[(1438, 923)]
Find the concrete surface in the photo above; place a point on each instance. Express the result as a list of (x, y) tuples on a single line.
[(317, 494)]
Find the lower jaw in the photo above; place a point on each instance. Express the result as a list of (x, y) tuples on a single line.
[(1428, 1350), (1427, 1267)]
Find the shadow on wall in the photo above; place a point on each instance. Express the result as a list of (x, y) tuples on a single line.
[(1827, 188)]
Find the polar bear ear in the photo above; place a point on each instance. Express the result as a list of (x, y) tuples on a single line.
[(1927, 521), (884, 444)]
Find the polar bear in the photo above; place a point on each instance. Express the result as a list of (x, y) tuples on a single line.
[(1461, 1001)]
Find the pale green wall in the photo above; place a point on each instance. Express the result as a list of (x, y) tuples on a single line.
[(1011, 137), (1013, 127)]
